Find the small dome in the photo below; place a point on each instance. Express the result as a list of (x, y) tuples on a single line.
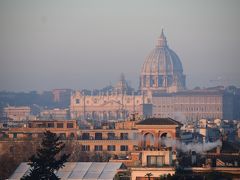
[(122, 86)]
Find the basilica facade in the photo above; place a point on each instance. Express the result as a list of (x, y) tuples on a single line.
[(119, 103), (162, 93)]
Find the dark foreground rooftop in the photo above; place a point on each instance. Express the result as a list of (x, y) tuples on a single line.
[(159, 121)]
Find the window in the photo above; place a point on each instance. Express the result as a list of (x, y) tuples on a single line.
[(111, 147), (14, 135), (124, 136), (40, 125), (85, 148), (29, 135), (98, 136), (59, 125), (155, 161), (50, 125), (72, 136), (111, 136), (77, 101), (85, 136), (124, 148), (98, 148), (69, 125)]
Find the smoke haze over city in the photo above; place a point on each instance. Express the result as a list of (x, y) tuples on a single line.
[(87, 44)]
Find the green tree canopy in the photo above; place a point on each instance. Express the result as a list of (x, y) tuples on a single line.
[(44, 163)]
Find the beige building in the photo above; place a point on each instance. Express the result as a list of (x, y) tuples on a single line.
[(189, 105), (17, 113), (35, 129), (55, 113), (185, 105), (120, 103), (125, 136)]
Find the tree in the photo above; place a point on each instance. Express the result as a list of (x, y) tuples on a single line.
[(45, 163)]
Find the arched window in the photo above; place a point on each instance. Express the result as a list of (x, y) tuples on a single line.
[(72, 136), (148, 140), (165, 140)]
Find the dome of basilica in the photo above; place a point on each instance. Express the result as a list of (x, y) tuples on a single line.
[(162, 69)]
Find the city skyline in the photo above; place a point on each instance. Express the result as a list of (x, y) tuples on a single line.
[(88, 44)]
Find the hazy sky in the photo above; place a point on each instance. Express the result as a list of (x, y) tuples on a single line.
[(79, 44)]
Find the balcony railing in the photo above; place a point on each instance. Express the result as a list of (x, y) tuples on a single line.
[(151, 148)]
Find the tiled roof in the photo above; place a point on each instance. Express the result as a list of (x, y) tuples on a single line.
[(159, 121)]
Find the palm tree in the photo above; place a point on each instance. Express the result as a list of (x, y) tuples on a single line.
[(149, 175)]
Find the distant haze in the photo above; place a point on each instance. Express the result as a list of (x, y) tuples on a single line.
[(88, 43)]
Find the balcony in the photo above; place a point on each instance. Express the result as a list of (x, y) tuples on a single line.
[(151, 148)]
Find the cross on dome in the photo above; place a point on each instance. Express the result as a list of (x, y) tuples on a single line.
[(162, 40)]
